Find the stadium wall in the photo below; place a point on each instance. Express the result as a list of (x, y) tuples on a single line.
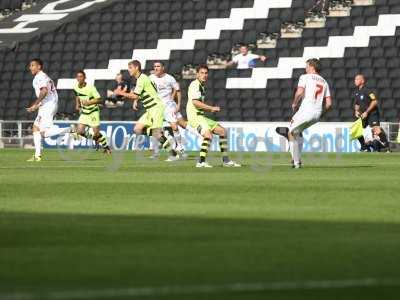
[(243, 137)]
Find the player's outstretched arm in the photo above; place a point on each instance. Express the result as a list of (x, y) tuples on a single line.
[(43, 93), (200, 105), (126, 96), (231, 64), (263, 58)]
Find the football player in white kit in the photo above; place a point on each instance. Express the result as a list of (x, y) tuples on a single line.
[(46, 104), (169, 90), (314, 98)]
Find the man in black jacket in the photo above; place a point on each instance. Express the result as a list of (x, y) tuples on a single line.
[(366, 108)]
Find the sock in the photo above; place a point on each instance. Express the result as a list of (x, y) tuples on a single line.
[(223, 145), (168, 146), (162, 140), (294, 150), (204, 149), (54, 130), (362, 142), (169, 134), (70, 141), (299, 147), (156, 145), (101, 139), (300, 141), (169, 131), (37, 141), (178, 139), (291, 149)]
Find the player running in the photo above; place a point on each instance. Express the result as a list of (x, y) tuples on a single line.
[(151, 122), (314, 98), (195, 109), (87, 101), (168, 90), (46, 104)]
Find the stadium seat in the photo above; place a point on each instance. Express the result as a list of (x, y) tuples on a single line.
[(113, 32)]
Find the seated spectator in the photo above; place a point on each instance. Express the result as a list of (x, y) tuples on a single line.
[(246, 60), (320, 6), (375, 144), (113, 100)]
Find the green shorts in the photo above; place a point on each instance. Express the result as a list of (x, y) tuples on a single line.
[(153, 117), (202, 123), (91, 120)]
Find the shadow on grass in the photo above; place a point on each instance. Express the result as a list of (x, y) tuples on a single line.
[(40, 252), (350, 166)]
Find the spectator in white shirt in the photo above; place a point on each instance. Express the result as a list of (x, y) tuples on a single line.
[(246, 60)]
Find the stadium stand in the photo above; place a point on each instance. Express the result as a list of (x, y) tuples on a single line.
[(103, 41)]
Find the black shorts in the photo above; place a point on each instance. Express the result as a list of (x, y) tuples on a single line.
[(372, 120)]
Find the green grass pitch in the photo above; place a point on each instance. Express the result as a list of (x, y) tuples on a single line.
[(83, 226)]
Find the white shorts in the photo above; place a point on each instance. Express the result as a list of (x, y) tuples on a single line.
[(170, 114), (302, 120), (44, 119)]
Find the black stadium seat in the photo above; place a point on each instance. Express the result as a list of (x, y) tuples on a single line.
[(114, 31)]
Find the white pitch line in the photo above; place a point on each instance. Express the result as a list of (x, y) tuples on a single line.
[(205, 289)]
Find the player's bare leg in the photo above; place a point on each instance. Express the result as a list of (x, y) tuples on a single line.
[(81, 130), (182, 123), (223, 144), (141, 131), (156, 134)]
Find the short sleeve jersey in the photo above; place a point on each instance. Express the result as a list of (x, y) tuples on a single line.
[(147, 91), (165, 85), (196, 91), (41, 80), (316, 89), (87, 92)]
